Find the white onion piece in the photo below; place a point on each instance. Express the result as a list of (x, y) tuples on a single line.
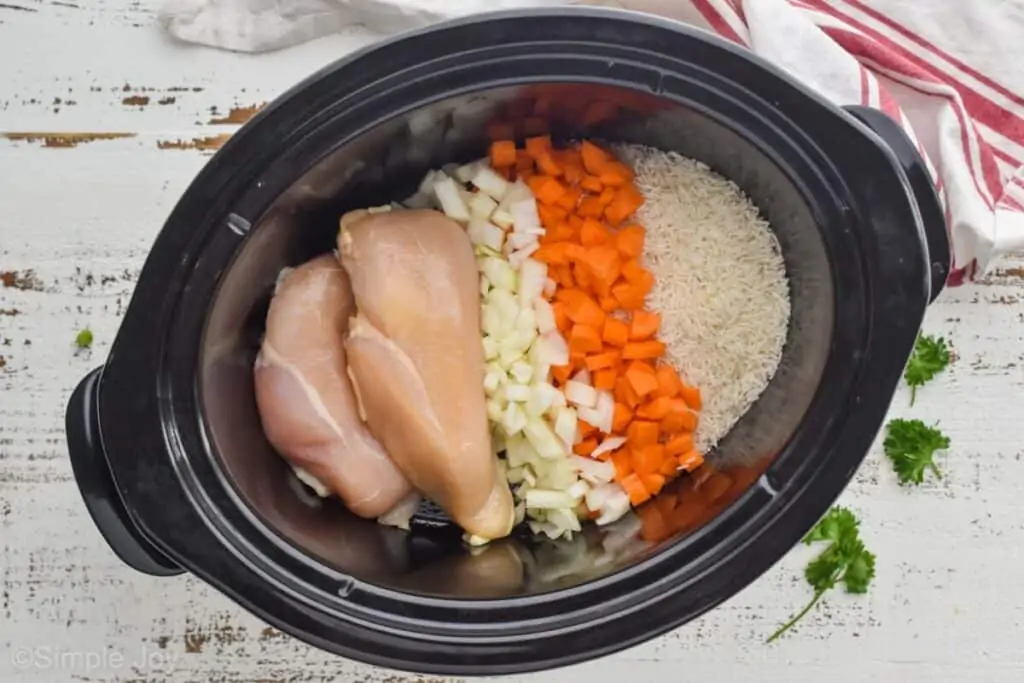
[(545, 316), (502, 218), (485, 233), (565, 425), (556, 351), (606, 412), (594, 471), (490, 183), (402, 513), (581, 395), (531, 280), (612, 443), (481, 206), (449, 196), (549, 499)]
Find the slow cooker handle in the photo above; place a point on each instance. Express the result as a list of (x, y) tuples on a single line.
[(927, 198), (96, 483)]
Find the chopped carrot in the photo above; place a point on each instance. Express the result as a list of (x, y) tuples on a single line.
[(669, 468), (656, 409), (692, 397), (577, 358), (551, 214), (594, 158), (524, 162), (644, 325), (604, 265), (624, 393), (590, 207), (648, 459), (691, 460), (635, 489), (603, 361), (678, 445), (575, 222), (641, 377), (623, 464), (585, 447), (584, 310), (643, 350), (642, 433), (630, 241), (654, 483), (586, 429), (679, 418), (608, 304), (669, 383), (569, 200), (623, 416), (604, 380), (615, 174), (607, 196), (584, 339), (549, 190), (627, 201), (562, 321), (552, 254), (546, 164), (561, 373), (538, 146), (574, 171), (593, 233), (503, 154), (615, 332), (632, 270), (559, 233), (592, 184), (630, 297)]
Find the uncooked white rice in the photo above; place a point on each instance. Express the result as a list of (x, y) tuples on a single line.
[(720, 288)]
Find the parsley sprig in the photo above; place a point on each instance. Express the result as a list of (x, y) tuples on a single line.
[(930, 357), (844, 561), (911, 446)]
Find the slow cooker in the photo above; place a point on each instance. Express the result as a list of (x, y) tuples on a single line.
[(166, 443)]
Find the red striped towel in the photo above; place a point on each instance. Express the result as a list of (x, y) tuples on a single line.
[(950, 71), (942, 68)]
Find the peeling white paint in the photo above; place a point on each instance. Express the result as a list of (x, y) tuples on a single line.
[(947, 606)]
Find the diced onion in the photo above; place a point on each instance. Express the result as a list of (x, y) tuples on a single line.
[(484, 233), (565, 425), (490, 183), (450, 198), (545, 316), (549, 499), (502, 218), (580, 394), (543, 439), (609, 445), (532, 276), (594, 471)]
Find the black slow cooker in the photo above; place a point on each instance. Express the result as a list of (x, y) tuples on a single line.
[(166, 443)]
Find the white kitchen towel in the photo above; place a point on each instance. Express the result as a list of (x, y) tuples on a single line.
[(951, 72)]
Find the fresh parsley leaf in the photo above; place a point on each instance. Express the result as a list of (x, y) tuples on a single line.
[(930, 357), (838, 522), (845, 561), (911, 446), (84, 339)]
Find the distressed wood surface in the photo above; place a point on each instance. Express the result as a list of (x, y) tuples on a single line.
[(78, 212)]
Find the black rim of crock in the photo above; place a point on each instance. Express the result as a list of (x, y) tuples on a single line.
[(207, 528)]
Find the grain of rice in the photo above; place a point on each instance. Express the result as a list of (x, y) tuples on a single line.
[(721, 285)]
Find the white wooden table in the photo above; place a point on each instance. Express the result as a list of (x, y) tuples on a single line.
[(76, 220)]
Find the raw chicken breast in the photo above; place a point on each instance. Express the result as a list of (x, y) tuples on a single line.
[(417, 363), (305, 397)]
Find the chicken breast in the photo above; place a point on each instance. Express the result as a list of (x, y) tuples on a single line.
[(417, 363), (305, 397)]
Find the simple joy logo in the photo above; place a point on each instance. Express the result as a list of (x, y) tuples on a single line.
[(46, 658)]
